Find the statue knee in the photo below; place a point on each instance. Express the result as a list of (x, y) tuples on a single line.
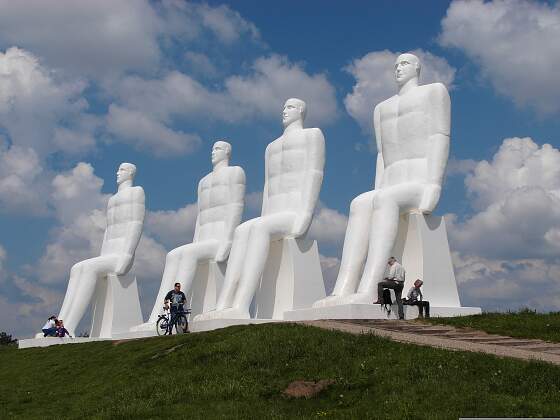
[(383, 201), (360, 203)]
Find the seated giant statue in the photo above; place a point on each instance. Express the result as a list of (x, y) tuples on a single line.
[(221, 197), (294, 166), (412, 133), (125, 219)]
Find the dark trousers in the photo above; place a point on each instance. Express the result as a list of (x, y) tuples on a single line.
[(423, 306), (397, 286), (49, 332)]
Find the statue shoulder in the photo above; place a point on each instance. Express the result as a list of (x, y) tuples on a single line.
[(235, 174), (314, 134), (436, 89), (138, 192), (383, 104)]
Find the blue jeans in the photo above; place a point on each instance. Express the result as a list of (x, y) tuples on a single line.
[(49, 332)]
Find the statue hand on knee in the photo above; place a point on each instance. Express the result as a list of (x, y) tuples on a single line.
[(430, 198), (223, 251), (301, 224), (123, 264)]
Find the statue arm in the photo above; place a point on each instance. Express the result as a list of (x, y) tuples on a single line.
[(313, 179), (133, 231), (380, 165), (234, 211), (265, 188), (438, 148), (197, 223)]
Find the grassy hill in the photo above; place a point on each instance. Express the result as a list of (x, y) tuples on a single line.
[(522, 324), (240, 372)]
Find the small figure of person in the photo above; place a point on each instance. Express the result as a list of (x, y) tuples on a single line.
[(394, 280), (415, 298), (60, 330), (177, 299), (49, 329)]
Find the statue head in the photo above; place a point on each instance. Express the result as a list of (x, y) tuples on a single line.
[(221, 150), (294, 109), (407, 67), (125, 172)]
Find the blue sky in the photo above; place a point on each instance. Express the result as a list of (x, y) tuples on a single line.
[(85, 86)]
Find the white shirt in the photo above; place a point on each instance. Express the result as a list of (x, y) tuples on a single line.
[(50, 324), (396, 272)]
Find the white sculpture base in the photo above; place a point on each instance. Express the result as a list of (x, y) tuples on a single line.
[(116, 306), (363, 311), (292, 279), (423, 248), (206, 287)]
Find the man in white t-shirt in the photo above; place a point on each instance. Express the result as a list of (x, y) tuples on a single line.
[(394, 279), (49, 329)]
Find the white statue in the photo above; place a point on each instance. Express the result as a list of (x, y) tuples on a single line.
[(412, 132), (221, 197), (125, 219), (293, 176)]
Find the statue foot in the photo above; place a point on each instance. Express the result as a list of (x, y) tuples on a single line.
[(328, 301), (358, 298), (146, 326), (230, 313)]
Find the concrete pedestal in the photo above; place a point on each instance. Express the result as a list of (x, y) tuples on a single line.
[(292, 279), (206, 287), (423, 249), (116, 306)]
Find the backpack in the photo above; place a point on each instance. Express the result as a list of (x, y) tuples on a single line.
[(387, 301)]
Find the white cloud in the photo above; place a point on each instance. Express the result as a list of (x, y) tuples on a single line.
[(105, 38), (375, 81), (143, 132), (514, 42), (261, 94), (329, 267), (517, 198), (273, 80), (173, 227), (506, 252), (328, 226)]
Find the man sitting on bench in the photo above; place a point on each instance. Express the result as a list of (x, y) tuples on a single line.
[(394, 279), (415, 298)]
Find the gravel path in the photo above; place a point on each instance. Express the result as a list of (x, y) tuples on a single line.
[(447, 337)]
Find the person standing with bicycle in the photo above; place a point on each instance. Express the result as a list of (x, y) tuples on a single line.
[(177, 299)]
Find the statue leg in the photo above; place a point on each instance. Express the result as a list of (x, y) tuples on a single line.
[(354, 251), (85, 281), (233, 272), (73, 283), (264, 230), (180, 267), (384, 228), (387, 205)]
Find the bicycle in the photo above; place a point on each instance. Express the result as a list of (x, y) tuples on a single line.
[(178, 320)]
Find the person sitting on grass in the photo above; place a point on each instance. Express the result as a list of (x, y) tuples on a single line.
[(49, 329), (415, 298), (60, 330)]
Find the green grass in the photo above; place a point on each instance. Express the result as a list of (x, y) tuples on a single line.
[(240, 372), (524, 324)]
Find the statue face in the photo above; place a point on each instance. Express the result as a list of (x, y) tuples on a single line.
[(291, 112), (219, 152), (405, 68), (123, 174)]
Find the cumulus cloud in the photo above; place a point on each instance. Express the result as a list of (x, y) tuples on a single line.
[(173, 227), (111, 37), (328, 226), (158, 103), (515, 43), (375, 81), (506, 251), (143, 132)]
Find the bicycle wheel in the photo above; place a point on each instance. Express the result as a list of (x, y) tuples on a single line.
[(181, 324), (161, 326)]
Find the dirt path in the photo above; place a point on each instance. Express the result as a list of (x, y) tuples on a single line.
[(450, 338)]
